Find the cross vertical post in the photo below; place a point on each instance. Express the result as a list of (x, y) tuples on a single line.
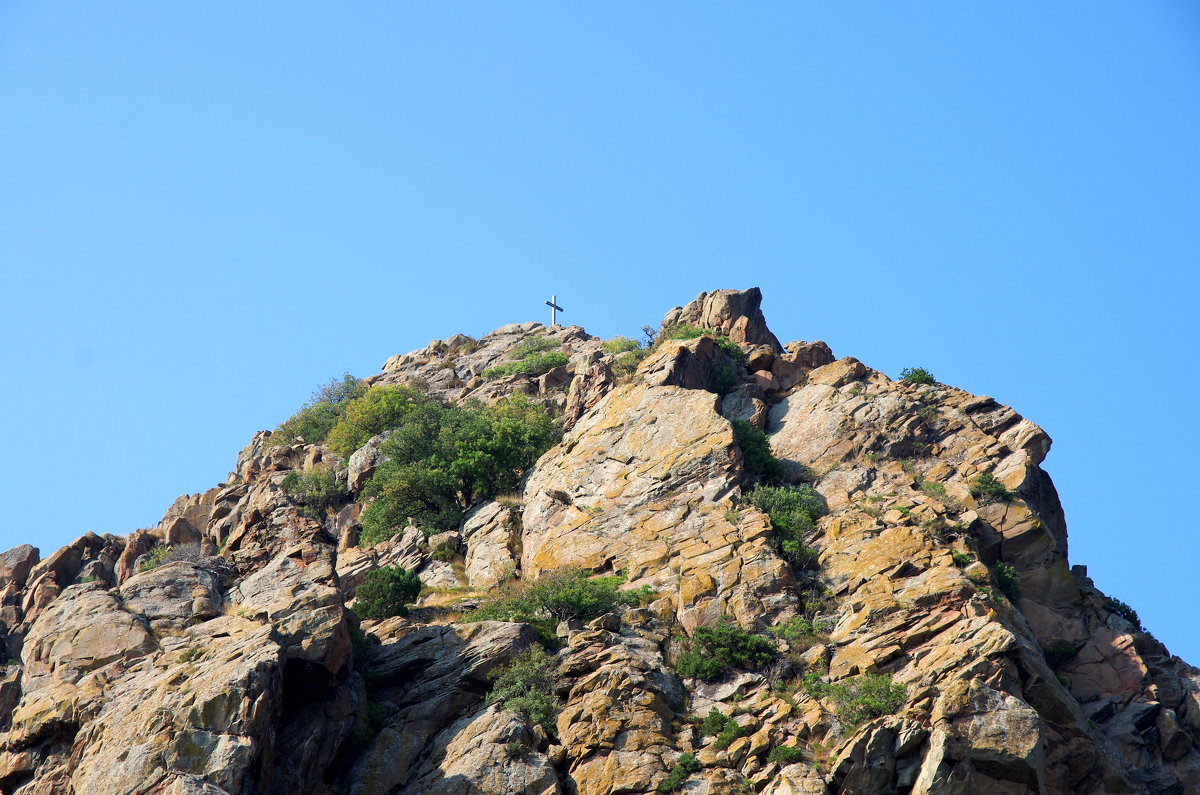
[(554, 309)]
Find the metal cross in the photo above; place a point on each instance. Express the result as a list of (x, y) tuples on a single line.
[(554, 307)]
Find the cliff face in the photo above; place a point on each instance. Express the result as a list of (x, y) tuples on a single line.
[(240, 668)]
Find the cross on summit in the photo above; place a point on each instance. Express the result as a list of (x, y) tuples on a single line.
[(554, 308)]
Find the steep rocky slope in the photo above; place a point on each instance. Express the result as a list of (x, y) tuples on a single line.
[(242, 668)]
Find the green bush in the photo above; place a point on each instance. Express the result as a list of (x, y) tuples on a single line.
[(725, 378), (558, 596), (618, 345), (864, 697), (155, 557), (917, 375), (785, 755), (987, 489), (723, 726), (722, 646), (797, 629), (756, 450), (1124, 611), (316, 486), (793, 511), (961, 558), (320, 414), (1007, 580), (528, 686), (378, 409), (443, 458), (386, 592), (680, 772), (681, 331)]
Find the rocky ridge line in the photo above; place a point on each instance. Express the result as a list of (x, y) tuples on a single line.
[(235, 670)]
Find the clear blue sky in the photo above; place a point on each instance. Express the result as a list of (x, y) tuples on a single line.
[(207, 209)]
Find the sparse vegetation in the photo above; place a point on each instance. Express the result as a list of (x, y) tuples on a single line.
[(320, 414), (627, 354), (443, 458), (680, 772), (785, 755), (798, 629), (1007, 580), (1124, 611), (960, 558), (917, 375), (533, 355), (987, 489), (724, 645), (386, 592), (528, 686), (155, 557)]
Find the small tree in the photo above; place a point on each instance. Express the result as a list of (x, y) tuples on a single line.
[(386, 592)]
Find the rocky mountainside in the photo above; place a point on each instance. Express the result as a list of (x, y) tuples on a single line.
[(920, 631)]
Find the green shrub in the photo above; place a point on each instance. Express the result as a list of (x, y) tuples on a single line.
[(864, 697), (316, 486), (627, 354), (443, 458), (725, 378), (793, 511), (797, 629), (917, 375), (563, 595), (680, 772), (386, 592), (535, 362), (785, 755), (528, 686), (1124, 611), (155, 557), (681, 331), (713, 722), (722, 646), (1007, 580), (987, 489), (961, 558), (618, 345), (756, 450), (728, 734), (378, 409), (320, 414)]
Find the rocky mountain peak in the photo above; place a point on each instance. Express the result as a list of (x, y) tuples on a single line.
[(726, 566)]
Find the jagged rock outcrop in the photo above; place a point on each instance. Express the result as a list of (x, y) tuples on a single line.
[(237, 664)]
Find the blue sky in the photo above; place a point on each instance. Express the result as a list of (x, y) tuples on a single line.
[(206, 210)]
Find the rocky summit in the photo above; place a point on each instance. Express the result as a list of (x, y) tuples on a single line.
[(541, 562)]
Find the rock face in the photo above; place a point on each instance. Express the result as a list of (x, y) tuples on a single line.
[(933, 638)]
